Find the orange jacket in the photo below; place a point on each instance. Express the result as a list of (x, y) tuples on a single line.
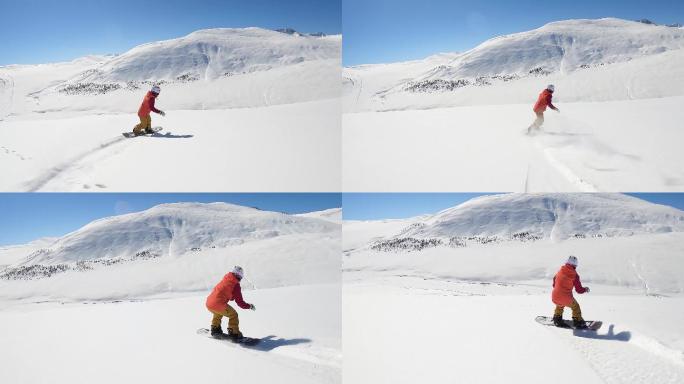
[(563, 282), (544, 101), (226, 290), (147, 105)]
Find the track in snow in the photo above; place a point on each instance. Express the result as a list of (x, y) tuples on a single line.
[(73, 163), (613, 353), (156, 340), (565, 153), (602, 146), (70, 153), (462, 321)]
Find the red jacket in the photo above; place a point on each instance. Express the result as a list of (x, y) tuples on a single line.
[(563, 282), (148, 105), (226, 290), (544, 101)]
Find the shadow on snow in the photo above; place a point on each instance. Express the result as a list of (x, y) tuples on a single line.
[(611, 335), (270, 342)]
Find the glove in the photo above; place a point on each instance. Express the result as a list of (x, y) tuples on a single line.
[(252, 307), (162, 113), (587, 288)]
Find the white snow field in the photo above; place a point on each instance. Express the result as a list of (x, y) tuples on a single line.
[(454, 120), (235, 100), (124, 297), (463, 310)]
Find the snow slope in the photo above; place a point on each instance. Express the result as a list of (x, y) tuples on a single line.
[(607, 147), (333, 215), (486, 333), (239, 98), (216, 150), (131, 289), (455, 297), (156, 340), (452, 121)]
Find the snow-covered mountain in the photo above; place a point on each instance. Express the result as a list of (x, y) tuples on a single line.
[(176, 247), (562, 46), (620, 240), (594, 56), (207, 69), (213, 53), (175, 229), (557, 216)]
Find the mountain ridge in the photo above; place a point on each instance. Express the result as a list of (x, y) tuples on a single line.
[(554, 216), (601, 59), (174, 229)]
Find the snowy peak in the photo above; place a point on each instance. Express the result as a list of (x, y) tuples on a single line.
[(564, 46), (555, 216), (213, 53), (175, 229)]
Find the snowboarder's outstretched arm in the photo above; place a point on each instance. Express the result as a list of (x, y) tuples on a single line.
[(237, 295), (150, 104), (578, 286), (549, 103)]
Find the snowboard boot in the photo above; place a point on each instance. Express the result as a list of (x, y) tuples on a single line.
[(558, 321), (579, 323), (217, 333), (149, 131), (235, 337)]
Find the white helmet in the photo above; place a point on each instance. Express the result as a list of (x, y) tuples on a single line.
[(238, 271), (550, 87), (572, 260), (155, 89)]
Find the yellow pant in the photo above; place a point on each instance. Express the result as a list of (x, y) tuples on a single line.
[(145, 123), (231, 314), (576, 311), (537, 122)]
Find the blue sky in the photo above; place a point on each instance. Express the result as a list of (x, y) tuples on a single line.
[(40, 31), (29, 216), (382, 31), (374, 206)]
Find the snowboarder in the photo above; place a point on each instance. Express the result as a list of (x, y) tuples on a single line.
[(543, 101), (146, 107), (217, 303), (563, 282)]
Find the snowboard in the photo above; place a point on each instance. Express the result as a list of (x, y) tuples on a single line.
[(592, 325), (246, 341), (131, 134)]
